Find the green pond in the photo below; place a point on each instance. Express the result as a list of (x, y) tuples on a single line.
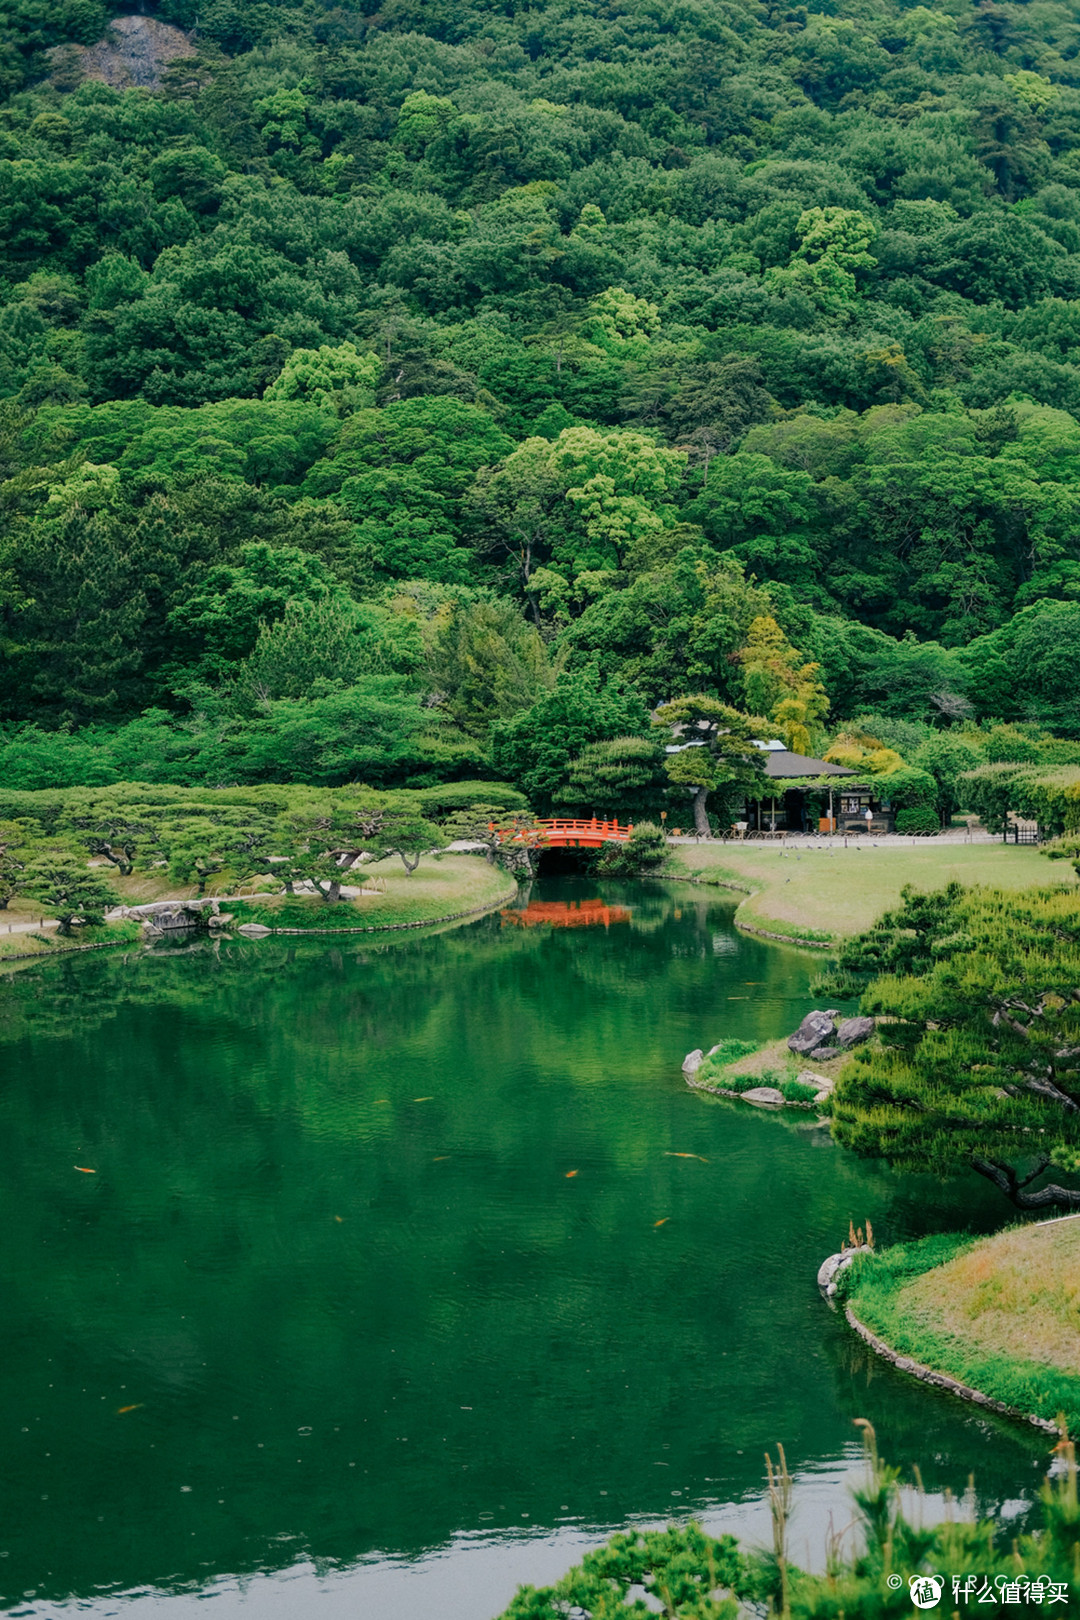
[(366, 1308)]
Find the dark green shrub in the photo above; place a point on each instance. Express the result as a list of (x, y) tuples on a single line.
[(646, 850), (917, 819)]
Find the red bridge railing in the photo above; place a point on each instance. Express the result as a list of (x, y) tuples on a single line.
[(567, 833)]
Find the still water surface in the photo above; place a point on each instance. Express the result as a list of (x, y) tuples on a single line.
[(366, 1309)]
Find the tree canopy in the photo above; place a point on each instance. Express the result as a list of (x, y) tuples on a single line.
[(731, 352), (977, 1061)]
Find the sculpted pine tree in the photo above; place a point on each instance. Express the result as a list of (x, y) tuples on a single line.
[(511, 837), (619, 776), (977, 1062), (13, 857), (69, 890), (717, 751), (111, 832)]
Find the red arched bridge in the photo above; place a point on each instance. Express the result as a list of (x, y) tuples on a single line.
[(563, 833)]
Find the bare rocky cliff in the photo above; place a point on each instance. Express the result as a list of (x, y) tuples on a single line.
[(133, 54)]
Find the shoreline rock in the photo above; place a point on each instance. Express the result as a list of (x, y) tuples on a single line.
[(830, 1269), (763, 1097)]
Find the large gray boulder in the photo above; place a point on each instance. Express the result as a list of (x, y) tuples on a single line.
[(692, 1061), (168, 916), (854, 1030), (763, 1097), (816, 1029)]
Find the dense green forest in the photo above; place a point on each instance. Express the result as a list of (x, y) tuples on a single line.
[(388, 389)]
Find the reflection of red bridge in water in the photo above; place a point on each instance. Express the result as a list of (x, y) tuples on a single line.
[(566, 914), (562, 833)]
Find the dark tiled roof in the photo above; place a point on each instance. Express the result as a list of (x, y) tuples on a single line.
[(781, 762)]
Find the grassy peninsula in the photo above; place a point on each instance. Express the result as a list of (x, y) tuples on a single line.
[(441, 889), (739, 1066), (999, 1314), (830, 893), (445, 887)]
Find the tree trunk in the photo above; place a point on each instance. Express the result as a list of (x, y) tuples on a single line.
[(701, 820), (1007, 1181)]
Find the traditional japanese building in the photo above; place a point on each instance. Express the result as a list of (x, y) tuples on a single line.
[(813, 795)]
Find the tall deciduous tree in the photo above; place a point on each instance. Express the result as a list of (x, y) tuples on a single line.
[(782, 686)]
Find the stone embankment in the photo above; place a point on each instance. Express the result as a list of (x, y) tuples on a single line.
[(828, 1280)]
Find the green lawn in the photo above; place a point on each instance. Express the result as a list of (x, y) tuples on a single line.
[(833, 892), (1001, 1314), (440, 887)]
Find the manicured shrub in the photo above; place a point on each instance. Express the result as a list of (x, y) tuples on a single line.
[(918, 819)]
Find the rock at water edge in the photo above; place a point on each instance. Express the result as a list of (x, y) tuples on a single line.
[(831, 1268), (763, 1097)]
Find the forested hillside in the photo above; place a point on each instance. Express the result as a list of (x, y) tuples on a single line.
[(386, 385)]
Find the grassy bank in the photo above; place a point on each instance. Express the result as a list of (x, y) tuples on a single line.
[(22, 946), (827, 894), (441, 887), (1000, 1314), (740, 1065)]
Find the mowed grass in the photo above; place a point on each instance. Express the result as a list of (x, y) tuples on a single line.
[(1017, 1294), (999, 1314), (440, 887), (832, 892), (443, 886)]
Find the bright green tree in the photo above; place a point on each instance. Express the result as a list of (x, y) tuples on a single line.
[(536, 747), (339, 378)]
